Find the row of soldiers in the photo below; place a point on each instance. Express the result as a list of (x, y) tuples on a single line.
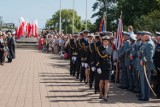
[(92, 60)]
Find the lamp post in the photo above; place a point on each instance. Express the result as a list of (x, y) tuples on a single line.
[(60, 23), (67, 22), (73, 19), (86, 14), (0, 22), (106, 2)]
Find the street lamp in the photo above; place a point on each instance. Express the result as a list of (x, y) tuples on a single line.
[(67, 22), (0, 22), (60, 23), (86, 14)]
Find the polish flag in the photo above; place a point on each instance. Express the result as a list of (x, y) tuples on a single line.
[(17, 30), (29, 29), (36, 28), (21, 27), (33, 29)]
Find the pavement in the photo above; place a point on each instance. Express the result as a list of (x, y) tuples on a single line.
[(36, 79)]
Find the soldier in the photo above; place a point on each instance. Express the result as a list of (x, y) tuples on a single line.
[(89, 53), (93, 60), (157, 65), (104, 66), (124, 60), (73, 54), (134, 55), (146, 61), (84, 65), (130, 70), (79, 49)]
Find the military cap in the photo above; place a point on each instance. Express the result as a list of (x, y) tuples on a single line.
[(146, 33), (86, 31), (108, 33), (125, 33), (75, 34), (81, 33), (102, 34), (133, 37), (157, 33), (106, 38), (90, 35), (139, 33)]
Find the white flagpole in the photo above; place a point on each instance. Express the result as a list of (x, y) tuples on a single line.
[(73, 19), (60, 18), (86, 13)]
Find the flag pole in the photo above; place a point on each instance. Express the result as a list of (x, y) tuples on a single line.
[(73, 19), (106, 15), (86, 14), (60, 18)]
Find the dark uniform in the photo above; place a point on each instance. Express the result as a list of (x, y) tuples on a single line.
[(84, 53), (11, 46), (157, 65), (1, 51), (73, 55), (104, 62), (93, 60), (79, 49)]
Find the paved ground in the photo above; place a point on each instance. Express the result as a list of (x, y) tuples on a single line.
[(41, 80)]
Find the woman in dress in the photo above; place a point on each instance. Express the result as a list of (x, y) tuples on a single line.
[(104, 67)]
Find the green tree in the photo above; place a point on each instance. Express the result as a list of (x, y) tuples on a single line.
[(90, 26), (100, 7), (67, 18), (131, 9), (150, 22)]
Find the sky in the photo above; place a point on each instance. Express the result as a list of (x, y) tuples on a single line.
[(12, 10)]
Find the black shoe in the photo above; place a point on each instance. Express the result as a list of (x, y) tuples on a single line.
[(77, 77), (120, 86), (90, 86), (100, 97), (142, 99), (124, 87), (105, 99), (158, 97)]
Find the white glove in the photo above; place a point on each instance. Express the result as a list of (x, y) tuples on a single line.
[(83, 64), (74, 58), (99, 71), (86, 65), (93, 68)]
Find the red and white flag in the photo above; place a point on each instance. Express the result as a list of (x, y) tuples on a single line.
[(33, 29), (29, 29), (21, 27), (118, 43), (36, 28)]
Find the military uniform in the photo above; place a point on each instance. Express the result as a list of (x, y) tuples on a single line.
[(130, 62), (73, 55), (157, 65), (124, 60), (93, 61), (146, 53), (79, 49), (104, 62), (84, 53), (136, 65)]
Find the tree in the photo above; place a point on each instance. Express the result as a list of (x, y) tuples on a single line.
[(67, 15), (131, 9), (150, 22), (100, 5)]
